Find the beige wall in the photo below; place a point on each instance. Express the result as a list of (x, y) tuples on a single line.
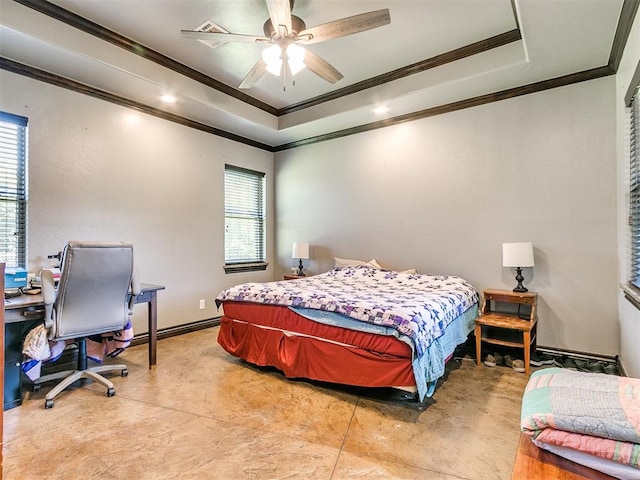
[(629, 315), (439, 194), (98, 171), (443, 193)]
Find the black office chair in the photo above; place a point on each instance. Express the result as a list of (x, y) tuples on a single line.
[(91, 298)]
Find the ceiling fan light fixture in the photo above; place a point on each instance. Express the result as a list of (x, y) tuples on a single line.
[(272, 57), (295, 58), (282, 30), (296, 67), (275, 67)]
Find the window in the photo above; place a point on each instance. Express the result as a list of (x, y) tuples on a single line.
[(13, 197), (634, 194), (244, 217)]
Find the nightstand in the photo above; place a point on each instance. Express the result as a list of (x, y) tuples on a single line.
[(294, 277), (508, 319)]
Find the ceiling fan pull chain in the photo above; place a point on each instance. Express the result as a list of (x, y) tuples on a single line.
[(284, 75)]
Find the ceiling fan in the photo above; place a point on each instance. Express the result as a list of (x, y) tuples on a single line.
[(286, 35)]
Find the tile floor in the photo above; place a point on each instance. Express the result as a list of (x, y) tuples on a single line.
[(202, 414)]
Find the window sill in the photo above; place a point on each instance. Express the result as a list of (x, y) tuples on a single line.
[(632, 294), (245, 267)]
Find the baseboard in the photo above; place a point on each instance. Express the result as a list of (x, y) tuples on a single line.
[(623, 371), (580, 355), (177, 330)]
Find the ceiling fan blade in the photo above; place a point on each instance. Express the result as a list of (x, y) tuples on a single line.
[(254, 74), (321, 68), (222, 37), (280, 15), (345, 26)]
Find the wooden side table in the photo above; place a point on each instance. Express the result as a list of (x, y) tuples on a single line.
[(534, 463), (294, 277), (502, 323)]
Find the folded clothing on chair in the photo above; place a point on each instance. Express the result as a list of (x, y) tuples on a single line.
[(109, 344), (589, 418), (38, 348)]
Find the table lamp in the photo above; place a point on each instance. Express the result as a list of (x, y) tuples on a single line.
[(518, 255), (300, 251)]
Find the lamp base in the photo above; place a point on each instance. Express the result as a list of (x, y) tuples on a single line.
[(300, 272), (519, 278)]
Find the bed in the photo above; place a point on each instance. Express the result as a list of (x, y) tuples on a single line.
[(360, 326)]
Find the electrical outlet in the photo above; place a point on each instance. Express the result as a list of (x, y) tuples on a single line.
[(202, 304)]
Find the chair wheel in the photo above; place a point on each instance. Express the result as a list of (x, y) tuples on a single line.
[(111, 392), (35, 387), (124, 372), (48, 404)]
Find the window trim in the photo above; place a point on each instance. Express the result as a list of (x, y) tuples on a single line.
[(20, 193), (631, 289), (245, 267), (253, 264)]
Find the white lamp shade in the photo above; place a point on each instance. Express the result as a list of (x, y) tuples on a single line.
[(272, 56), (296, 55), (300, 250), (517, 254)]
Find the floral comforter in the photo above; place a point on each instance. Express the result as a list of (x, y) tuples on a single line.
[(418, 306)]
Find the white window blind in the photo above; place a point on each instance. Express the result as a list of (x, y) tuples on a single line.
[(244, 212), (13, 155), (634, 194)]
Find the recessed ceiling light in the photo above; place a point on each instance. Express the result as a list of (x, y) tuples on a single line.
[(380, 110), (168, 99)]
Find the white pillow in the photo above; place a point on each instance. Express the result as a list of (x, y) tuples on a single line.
[(346, 262), (411, 271), (374, 264)]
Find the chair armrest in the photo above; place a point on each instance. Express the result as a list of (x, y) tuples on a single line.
[(135, 289), (48, 296)]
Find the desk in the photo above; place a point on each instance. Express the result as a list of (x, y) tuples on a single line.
[(24, 312)]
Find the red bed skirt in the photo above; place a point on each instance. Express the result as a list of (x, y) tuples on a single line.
[(271, 335)]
